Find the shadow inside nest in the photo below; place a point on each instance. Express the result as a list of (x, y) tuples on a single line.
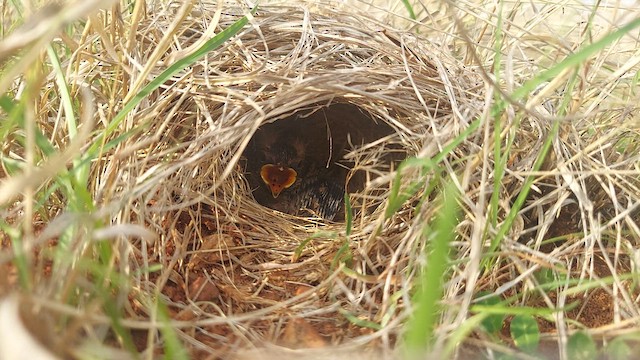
[(297, 164)]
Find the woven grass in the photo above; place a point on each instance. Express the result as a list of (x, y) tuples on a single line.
[(194, 192), (172, 203)]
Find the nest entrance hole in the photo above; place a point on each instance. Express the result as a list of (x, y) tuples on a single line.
[(297, 164)]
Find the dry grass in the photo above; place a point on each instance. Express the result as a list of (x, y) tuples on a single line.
[(116, 226)]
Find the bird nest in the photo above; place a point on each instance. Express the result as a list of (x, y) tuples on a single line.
[(240, 269), (292, 180), (242, 266)]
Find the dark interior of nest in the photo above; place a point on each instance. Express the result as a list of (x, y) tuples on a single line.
[(297, 164)]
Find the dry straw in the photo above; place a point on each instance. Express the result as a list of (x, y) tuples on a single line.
[(236, 274), (185, 181)]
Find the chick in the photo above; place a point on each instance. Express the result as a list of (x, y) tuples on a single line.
[(297, 164), (281, 159), (294, 176), (323, 198)]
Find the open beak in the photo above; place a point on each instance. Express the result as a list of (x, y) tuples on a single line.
[(277, 177)]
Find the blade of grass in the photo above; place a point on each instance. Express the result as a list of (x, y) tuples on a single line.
[(421, 325), (106, 287), (573, 60), (409, 7), (348, 214), (81, 172), (173, 348), (505, 309), (342, 256), (358, 321), (499, 155), (460, 333), (524, 192), (19, 258), (319, 234)]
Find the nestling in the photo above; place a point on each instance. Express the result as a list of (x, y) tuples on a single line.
[(297, 165), (281, 160)]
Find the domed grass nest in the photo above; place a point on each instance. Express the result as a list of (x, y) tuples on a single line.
[(172, 236), (229, 254)]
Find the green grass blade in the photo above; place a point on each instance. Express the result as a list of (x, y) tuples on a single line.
[(409, 7), (348, 214), (506, 309), (467, 327), (20, 260), (421, 326), (173, 348), (81, 172), (358, 321)]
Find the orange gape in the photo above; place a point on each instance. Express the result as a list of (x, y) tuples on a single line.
[(277, 177)]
